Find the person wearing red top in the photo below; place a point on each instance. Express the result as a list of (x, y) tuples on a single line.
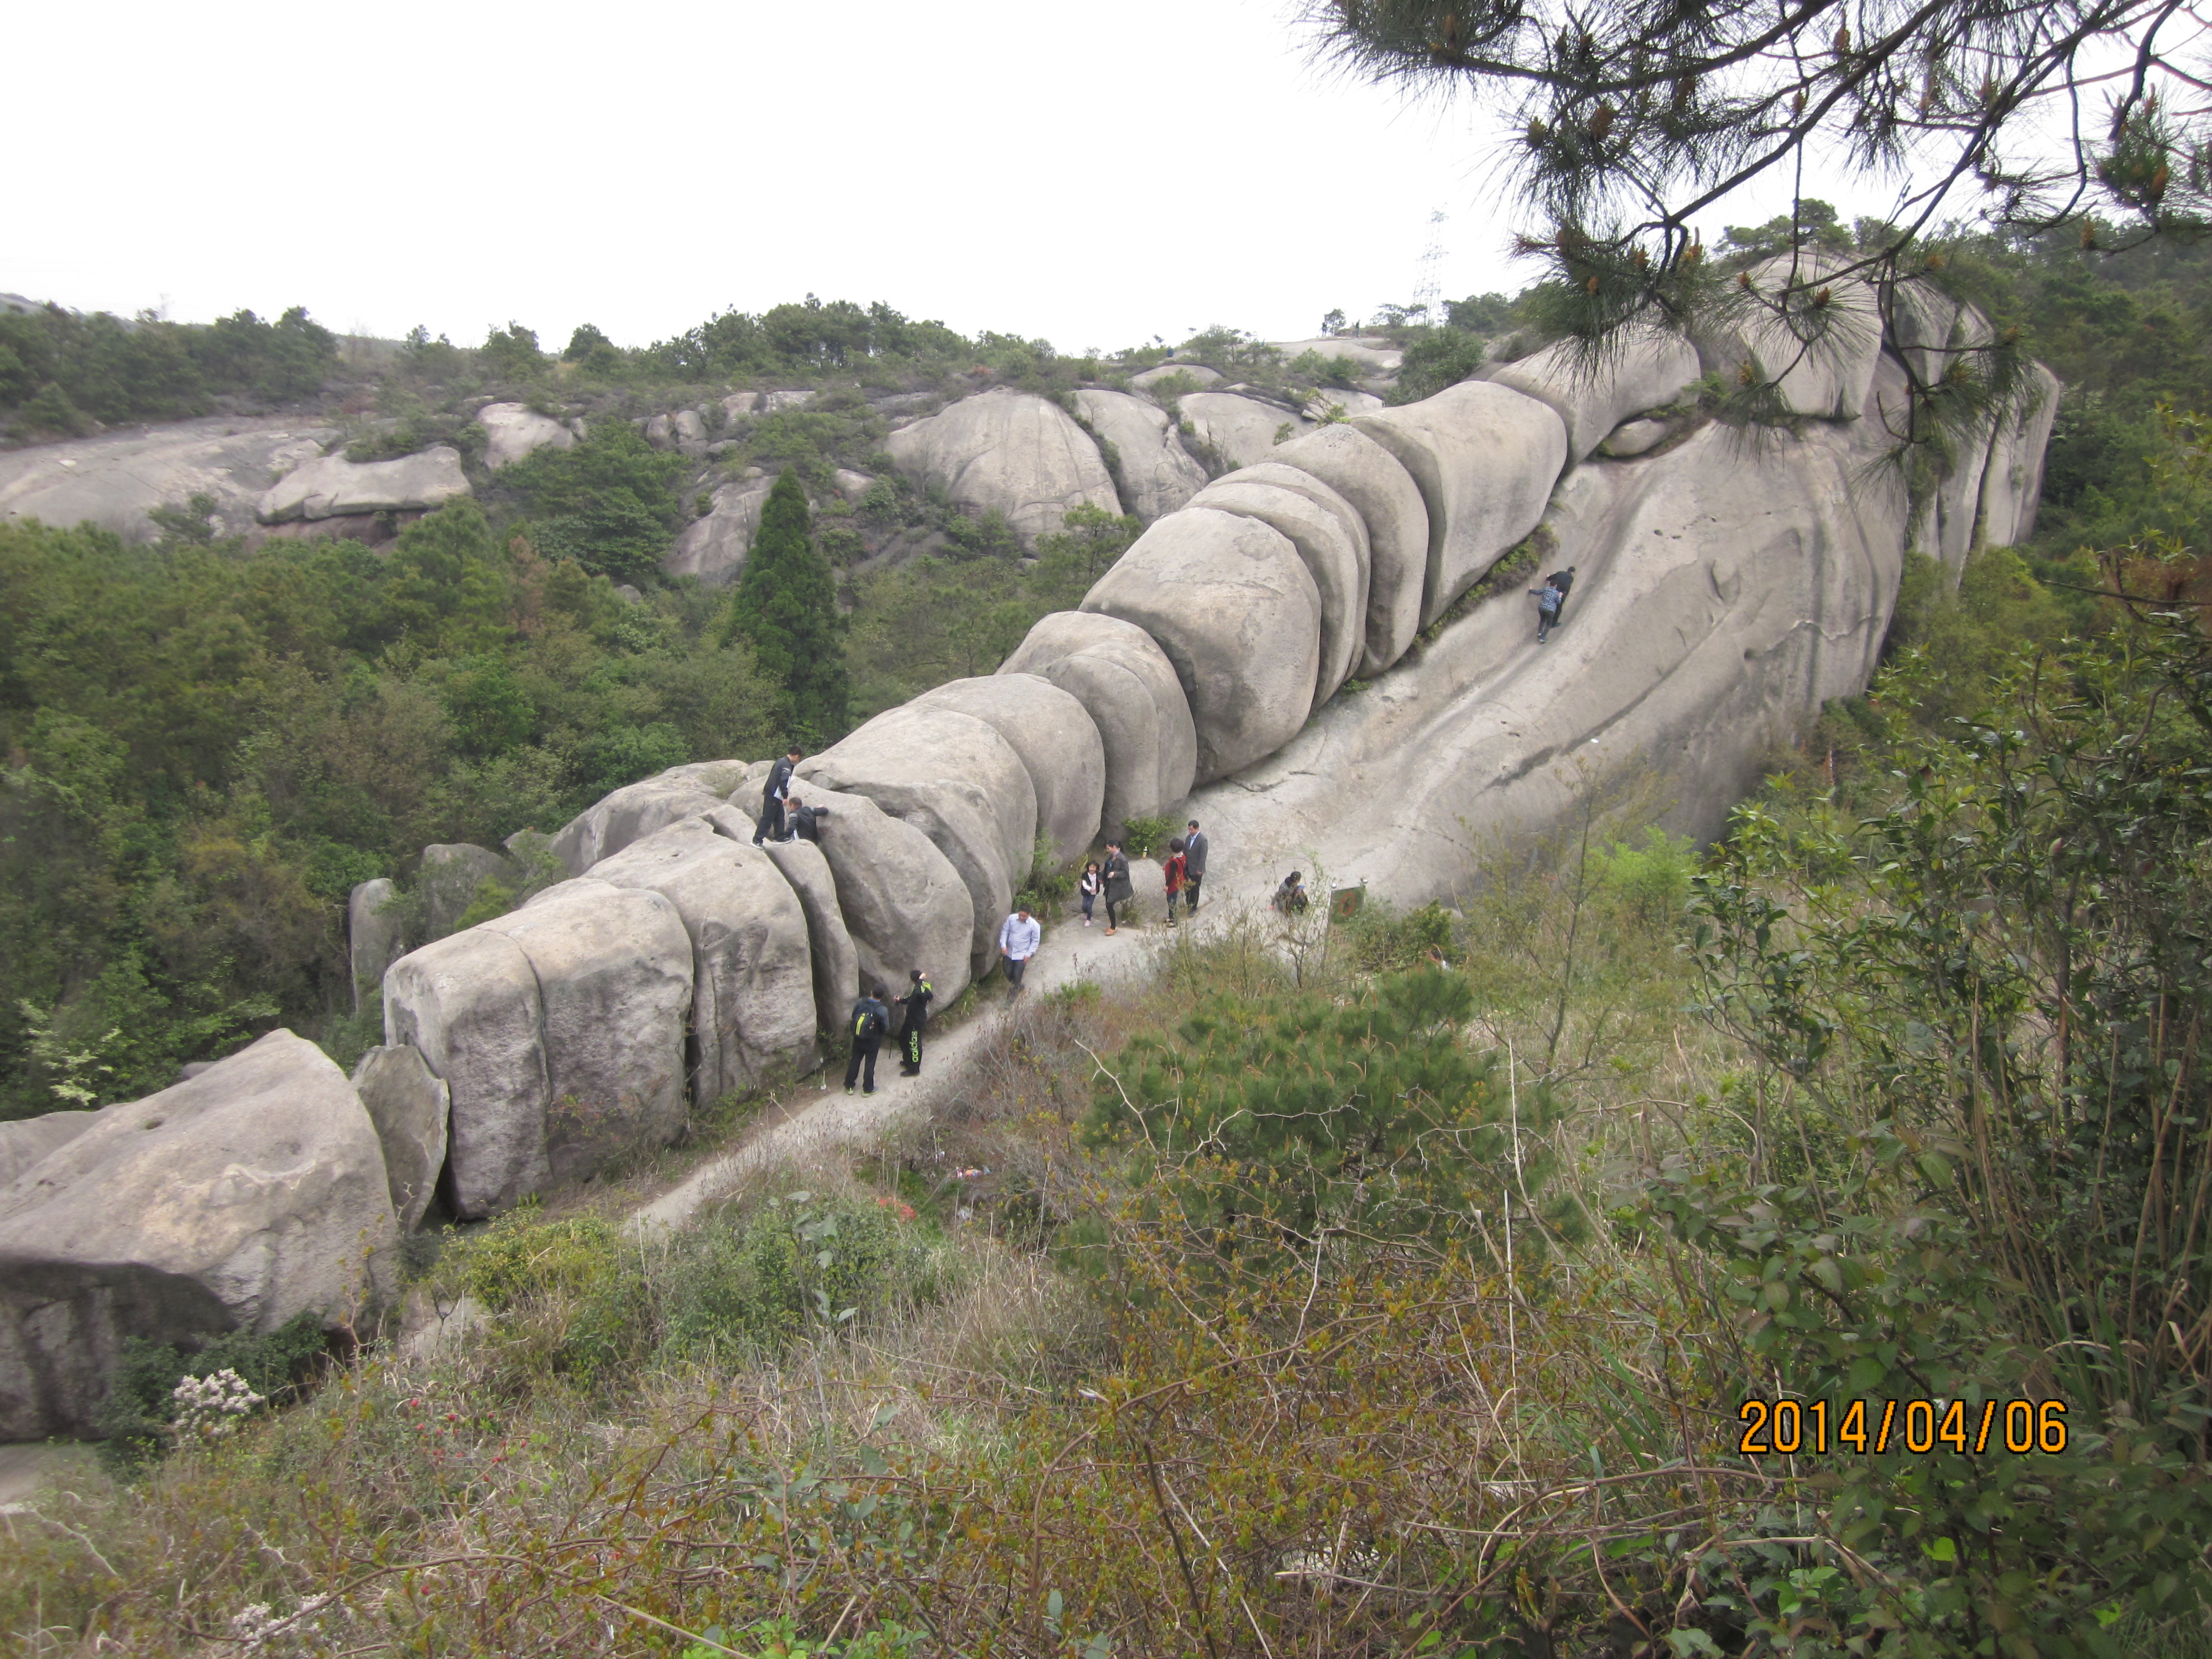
[(1177, 866)]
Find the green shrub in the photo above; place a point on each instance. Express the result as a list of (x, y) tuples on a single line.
[(1383, 941), (1651, 881), (1143, 837), (140, 1402)]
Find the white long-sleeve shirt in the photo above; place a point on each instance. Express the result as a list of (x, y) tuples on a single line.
[(1019, 938)]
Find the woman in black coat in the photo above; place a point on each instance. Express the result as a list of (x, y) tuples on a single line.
[(1119, 889)]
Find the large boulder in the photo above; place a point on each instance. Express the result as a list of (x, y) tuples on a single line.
[(25, 1140), (835, 966), (1371, 355), (374, 936), (1485, 457), (1329, 536), (116, 479), (1232, 604), (1009, 452), (905, 905), (333, 486), (1058, 742), (470, 1004), (2013, 480), (1197, 372), (635, 811), (613, 967), (713, 548), (752, 1010), (234, 1201), (452, 875), (515, 430), (410, 1107), (1380, 489), (1821, 358), (1240, 431), (955, 778), (1157, 473), (1127, 686), (1635, 369)]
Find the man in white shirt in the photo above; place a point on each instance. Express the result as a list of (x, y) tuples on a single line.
[(1018, 937)]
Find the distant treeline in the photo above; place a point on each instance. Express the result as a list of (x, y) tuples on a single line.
[(58, 368)]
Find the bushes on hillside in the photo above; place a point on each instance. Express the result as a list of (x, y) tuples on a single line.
[(57, 366)]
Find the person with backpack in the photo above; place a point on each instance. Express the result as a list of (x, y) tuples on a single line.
[(915, 1002), (1194, 861), (1119, 889), (870, 1020), (1087, 886), (1019, 935), (1176, 866), (774, 793)]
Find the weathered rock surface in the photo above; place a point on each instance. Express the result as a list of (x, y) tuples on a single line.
[(1241, 431), (1333, 404), (834, 964), (1158, 474), (1824, 362), (2012, 482), (452, 874), (251, 1193), (470, 1004), (1383, 493), (374, 934), (1328, 535), (516, 430), (25, 1140), (954, 778), (1057, 741), (714, 548), (409, 1106), (1638, 369), (1008, 452), (1484, 457), (851, 485), (115, 479), (1197, 372), (1233, 606), (613, 967), (738, 404), (333, 486), (636, 810), (1128, 687), (752, 1011), (1634, 438), (1373, 354), (903, 904), (776, 403)]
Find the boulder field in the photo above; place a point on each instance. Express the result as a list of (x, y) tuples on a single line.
[(1312, 655)]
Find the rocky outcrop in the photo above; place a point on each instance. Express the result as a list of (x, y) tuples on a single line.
[(253, 1193), (333, 486), (452, 875), (2013, 478), (1058, 743), (1150, 378), (835, 966), (636, 810), (1376, 486), (515, 430), (1008, 453), (713, 548), (374, 934), (113, 481), (1372, 355), (1485, 457), (1328, 535), (1592, 392), (753, 1012), (1157, 474), (409, 1108), (1233, 606), (25, 1140), (954, 778), (1240, 431), (1822, 359), (1128, 687), (905, 905)]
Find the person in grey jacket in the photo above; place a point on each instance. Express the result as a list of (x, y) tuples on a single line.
[(1193, 864)]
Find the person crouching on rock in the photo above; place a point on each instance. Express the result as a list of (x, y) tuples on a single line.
[(871, 1020), (916, 1004), (1290, 897), (802, 822)]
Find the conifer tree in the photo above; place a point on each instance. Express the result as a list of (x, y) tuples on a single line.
[(786, 607)]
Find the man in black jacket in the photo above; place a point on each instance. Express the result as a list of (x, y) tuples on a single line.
[(802, 822), (773, 795), (1562, 580), (1193, 864), (870, 1020), (916, 1004)]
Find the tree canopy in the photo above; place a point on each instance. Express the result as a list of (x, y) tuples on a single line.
[(785, 606)]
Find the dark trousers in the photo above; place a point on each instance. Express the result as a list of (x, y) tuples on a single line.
[(1190, 885), (1545, 624), (864, 1052), (1111, 905), (770, 827), (1016, 967), (912, 1038)]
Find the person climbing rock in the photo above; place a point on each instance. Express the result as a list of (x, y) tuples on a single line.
[(1175, 869), (802, 822), (1291, 897), (1120, 889), (1194, 859), (1019, 936), (871, 1020), (915, 1002), (1551, 600), (774, 793)]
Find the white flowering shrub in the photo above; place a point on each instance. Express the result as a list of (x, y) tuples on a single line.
[(210, 1408)]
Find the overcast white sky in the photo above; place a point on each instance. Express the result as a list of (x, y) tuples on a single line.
[(1091, 175)]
